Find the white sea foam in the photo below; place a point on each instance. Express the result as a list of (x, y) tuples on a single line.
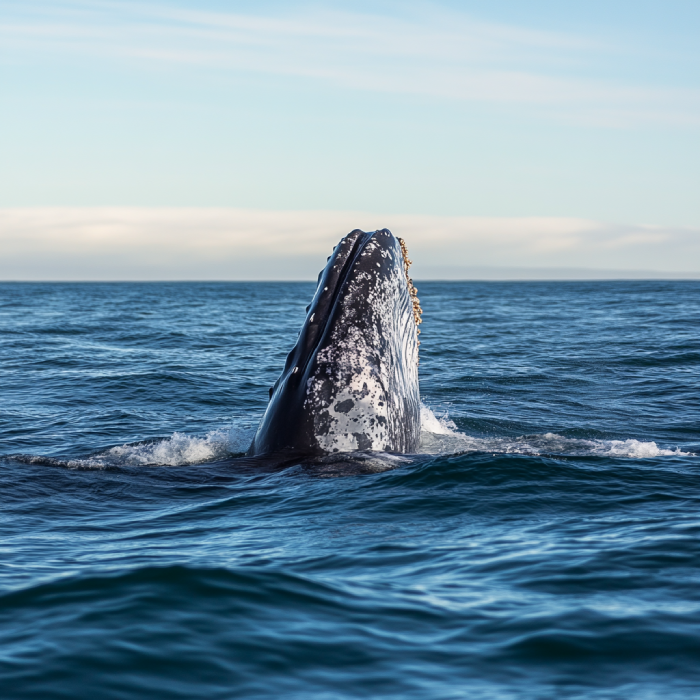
[(177, 450), (440, 435), (432, 425)]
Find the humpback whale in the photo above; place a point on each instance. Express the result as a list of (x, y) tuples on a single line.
[(351, 381)]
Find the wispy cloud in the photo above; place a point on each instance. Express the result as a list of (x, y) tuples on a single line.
[(435, 55), (176, 243)]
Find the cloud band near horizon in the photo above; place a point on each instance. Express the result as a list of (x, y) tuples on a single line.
[(131, 243)]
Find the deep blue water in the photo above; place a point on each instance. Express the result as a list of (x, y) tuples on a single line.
[(544, 544)]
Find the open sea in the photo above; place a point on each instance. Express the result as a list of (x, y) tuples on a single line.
[(544, 543)]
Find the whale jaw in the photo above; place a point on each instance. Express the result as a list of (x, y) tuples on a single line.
[(351, 381)]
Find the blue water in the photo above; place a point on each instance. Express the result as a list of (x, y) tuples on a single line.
[(545, 543)]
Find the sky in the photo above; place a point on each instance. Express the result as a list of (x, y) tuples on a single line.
[(510, 138)]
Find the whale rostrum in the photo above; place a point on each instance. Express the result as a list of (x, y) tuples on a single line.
[(351, 381)]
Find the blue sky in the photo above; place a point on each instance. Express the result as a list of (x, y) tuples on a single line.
[(459, 109)]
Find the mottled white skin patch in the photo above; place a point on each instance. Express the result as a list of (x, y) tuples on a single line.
[(364, 388)]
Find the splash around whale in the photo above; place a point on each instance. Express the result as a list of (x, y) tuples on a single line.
[(351, 381)]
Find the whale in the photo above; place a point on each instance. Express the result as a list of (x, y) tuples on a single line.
[(350, 383)]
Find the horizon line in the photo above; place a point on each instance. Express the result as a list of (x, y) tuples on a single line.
[(430, 280)]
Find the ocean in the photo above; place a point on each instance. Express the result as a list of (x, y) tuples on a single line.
[(543, 543)]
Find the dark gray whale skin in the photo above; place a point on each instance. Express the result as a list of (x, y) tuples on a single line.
[(351, 381)]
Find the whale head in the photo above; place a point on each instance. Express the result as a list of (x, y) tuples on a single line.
[(351, 381)]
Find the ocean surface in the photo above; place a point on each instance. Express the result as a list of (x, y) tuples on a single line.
[(544, 543)]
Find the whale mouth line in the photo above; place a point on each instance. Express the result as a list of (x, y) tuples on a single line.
[(358, 247)]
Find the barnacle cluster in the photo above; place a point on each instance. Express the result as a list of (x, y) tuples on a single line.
[(417, 311)]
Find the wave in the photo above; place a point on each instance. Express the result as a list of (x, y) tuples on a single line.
[(246, 616), (440, 435), (177, 450)]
